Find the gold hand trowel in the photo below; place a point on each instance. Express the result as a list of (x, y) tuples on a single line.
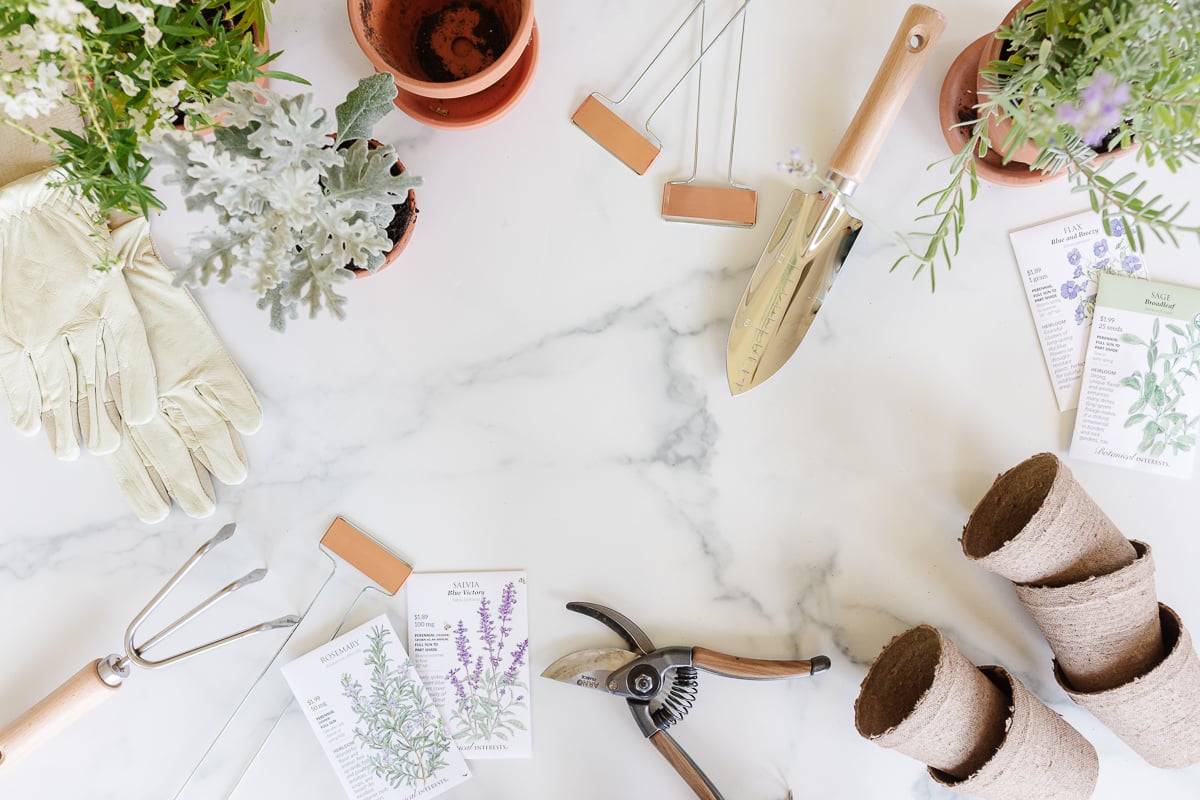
[(815, 231)]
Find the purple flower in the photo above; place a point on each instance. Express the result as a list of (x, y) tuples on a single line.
[(459, 691), (1118, 227), (1131, 264), (1074, 256), (1101, 108), (1079, 315), (475, 676), (1078, 272), (518, 655), (463, 645), (1100, 247), (1101, 264), (1069, 290), (487, 630)]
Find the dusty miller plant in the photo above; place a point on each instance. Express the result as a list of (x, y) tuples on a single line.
[(396, 718), (294, 207), (1079, 78)]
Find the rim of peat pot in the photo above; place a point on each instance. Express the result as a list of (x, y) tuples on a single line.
[(481, 108), (381, 27)]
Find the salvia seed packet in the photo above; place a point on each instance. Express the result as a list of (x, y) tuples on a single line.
[(376, 721), (1061, 263), (469, 636), (1140, 404)]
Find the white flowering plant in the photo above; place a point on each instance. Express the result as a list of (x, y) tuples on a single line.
[(1078, 79), (298, 207), (133, 69)]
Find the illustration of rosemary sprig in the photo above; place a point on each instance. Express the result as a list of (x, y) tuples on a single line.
[(396, 718), (1160, 388)]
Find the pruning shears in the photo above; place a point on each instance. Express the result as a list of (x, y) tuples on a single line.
[(660, 684)]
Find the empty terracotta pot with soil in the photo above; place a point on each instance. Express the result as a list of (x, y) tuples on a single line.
[(449, 49)]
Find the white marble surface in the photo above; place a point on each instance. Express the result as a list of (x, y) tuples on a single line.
[(539, 384)]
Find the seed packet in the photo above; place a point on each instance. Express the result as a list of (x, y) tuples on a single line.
[(374, 718), (1060, 263), (469, 636), (1140, 404)]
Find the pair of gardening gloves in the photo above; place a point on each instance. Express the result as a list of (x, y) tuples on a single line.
[(117, 359)]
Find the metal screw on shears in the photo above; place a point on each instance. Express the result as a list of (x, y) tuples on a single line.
[(642, 684)]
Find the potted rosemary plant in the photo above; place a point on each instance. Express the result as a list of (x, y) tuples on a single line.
[(298, 211), (132, 69), (1061, 86)]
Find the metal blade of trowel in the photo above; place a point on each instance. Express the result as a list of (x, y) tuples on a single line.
[(815, 231)]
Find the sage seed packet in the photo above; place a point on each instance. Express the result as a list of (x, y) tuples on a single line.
[(469, 636), (1061, 262), (1140, 403), (374, 718)]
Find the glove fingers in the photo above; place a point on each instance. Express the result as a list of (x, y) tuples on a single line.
[(229, 394), (139, 481), (19, 385), (128, 369), (172, 457), (60, 394), (99, 422), (211, 437)]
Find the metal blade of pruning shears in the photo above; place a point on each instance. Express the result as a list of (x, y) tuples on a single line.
[(589, 668)]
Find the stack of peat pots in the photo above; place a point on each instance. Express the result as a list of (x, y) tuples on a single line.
[(1118, 653)]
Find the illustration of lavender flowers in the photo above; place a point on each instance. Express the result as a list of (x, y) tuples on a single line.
[(396, 719), (1085, 279), (487, 692), (1160, 388)]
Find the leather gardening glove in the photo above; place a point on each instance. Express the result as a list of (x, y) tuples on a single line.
[(73, 353), (203, 398)]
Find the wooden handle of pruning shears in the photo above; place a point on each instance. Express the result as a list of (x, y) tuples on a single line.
[(684, 765), (755, 669), (82, 692)]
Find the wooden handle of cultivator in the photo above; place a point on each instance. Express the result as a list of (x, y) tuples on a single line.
[(754, 669), (80, 694), (684, 765), (919, 31)]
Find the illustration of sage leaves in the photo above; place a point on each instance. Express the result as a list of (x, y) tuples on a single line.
[(396, 718), (1160, 389)]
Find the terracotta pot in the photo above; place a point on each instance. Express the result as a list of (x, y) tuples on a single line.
[(407, 217), (481, 108), (446, 49), (963, 88)]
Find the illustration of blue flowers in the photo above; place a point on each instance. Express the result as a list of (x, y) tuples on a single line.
[(396, 718), (1085, 278), (487, 692)]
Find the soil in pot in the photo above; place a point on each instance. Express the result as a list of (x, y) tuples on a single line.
[(460, 40), (400, 229)]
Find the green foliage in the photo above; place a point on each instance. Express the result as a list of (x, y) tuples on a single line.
[(292, 210), (132, 70), (1055, 51), (396, 719), (1160, 387), (366, 104)]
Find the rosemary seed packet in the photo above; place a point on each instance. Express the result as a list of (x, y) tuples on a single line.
[(374, 718), (469, 636), (1061, 262), (1140, 405)]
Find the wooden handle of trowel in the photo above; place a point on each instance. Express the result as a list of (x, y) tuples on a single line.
[(919, 31), (82, 692)]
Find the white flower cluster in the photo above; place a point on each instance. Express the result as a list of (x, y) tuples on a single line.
[(44, 54)]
